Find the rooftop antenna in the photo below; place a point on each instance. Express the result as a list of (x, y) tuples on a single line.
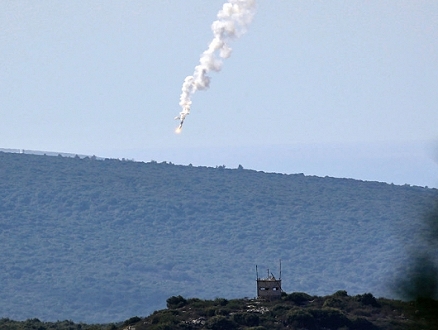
[(257, 272), (280, 269)]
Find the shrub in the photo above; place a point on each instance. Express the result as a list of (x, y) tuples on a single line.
[(301, 319), (247, 319), (132, 320), (252, 320), (340, 293), (210, 311), (368, 299), (235, 304), (298, 298), (280, 309), (176, 302), (221, 301), (164, 327), (165, 318), (222, 311), (334, 302), (239, 318), (197, 303), (330, 318), (193, 300), (220, 323)]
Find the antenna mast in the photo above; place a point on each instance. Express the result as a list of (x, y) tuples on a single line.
[(280, 269)]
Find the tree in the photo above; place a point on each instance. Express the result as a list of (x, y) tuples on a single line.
[(176, 302)]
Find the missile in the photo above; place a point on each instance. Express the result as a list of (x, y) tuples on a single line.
[(182, 117)]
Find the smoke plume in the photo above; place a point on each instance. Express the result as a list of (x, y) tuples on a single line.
[(231, 23), (419, 280)]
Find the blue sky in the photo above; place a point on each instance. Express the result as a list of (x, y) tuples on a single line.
[(337, 88)]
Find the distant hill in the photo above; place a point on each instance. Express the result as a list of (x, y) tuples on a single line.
[(101, 240), (46, 153)]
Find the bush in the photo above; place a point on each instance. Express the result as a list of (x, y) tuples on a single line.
[(239, 318), (247, 319), (334, 302), (132, 320), (235, 304), (279, 310), (221, 323), (368, 299), (252, 320), (301, 319), (330, 318), (210, 311), (340, 293), (222, 311), (165, 318), (298, 298), (196, 303), (221, 301), (176, 302)]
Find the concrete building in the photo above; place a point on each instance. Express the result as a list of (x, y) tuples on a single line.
[(269, 288)]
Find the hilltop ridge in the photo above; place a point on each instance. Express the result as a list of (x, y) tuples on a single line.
[(297, 310)]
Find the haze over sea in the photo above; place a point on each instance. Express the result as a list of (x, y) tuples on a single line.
[(397, 163), (339, 88)]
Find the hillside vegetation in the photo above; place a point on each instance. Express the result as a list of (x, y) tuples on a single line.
[(98, 241), (296, 310)]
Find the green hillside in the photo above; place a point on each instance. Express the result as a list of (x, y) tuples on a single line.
[(296, 310), (102, 240)]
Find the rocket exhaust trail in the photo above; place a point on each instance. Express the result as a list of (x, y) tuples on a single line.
[(231, 23)]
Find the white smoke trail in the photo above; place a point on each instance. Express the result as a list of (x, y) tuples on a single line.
[(232, 21)]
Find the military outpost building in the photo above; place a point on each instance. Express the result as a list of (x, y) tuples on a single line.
[(269, 288)]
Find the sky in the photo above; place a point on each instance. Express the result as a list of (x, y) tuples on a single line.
[(328, 88)]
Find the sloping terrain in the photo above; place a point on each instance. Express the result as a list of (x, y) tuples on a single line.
[(102, 240), (296, 310)]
